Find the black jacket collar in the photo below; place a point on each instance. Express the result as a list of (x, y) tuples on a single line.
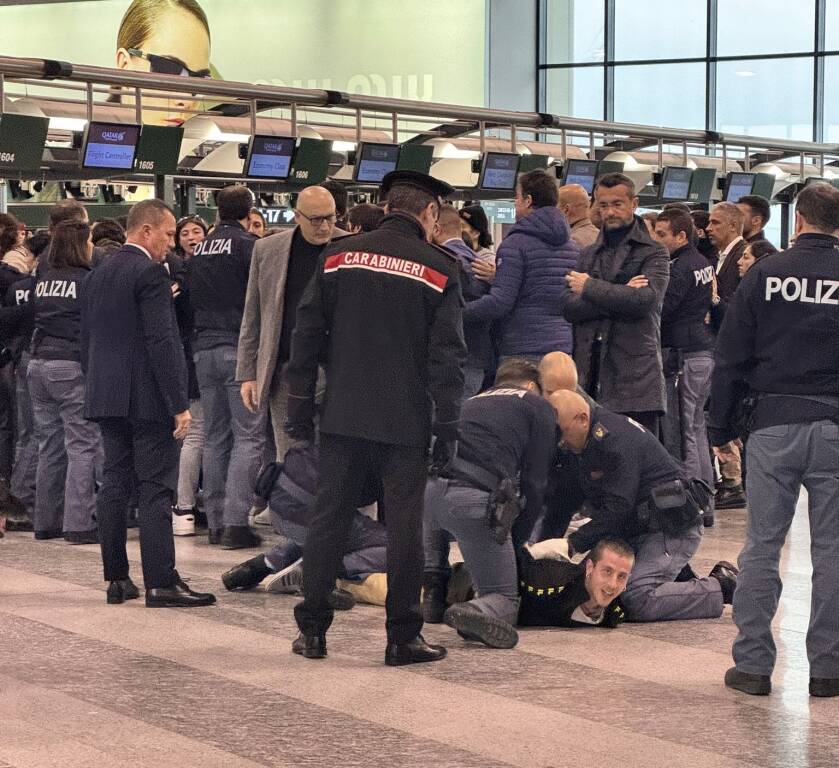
[(403, 222)]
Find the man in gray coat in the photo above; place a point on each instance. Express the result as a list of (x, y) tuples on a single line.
[(281, 267), (614, 301)]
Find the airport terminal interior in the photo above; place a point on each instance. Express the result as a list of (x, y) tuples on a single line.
[(711, 119)]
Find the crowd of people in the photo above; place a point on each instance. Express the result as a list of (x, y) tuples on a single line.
[(172, 374)]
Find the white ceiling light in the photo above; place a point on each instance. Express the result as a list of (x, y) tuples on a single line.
[(67, 124), (343, 146), (745, 73)]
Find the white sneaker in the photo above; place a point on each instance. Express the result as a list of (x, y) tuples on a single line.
[(183, 522), (262, 518), (286, 581)]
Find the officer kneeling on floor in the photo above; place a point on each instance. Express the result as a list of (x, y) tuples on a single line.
[(556, 592), (781, 335), (506, 440), (638, 492)]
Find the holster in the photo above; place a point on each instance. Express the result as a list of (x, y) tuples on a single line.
[(674, 506)]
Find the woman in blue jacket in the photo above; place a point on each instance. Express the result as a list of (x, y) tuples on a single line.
[(532, 262)]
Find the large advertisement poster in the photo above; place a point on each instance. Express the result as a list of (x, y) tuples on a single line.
[(432, 50)]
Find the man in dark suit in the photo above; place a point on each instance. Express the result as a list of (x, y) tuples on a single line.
[(137, 391), (725, 229)]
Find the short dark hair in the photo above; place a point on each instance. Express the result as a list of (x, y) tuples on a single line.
[(365, 215), (700, 219), (39, 242), (618, 546), (146, 212), (339, 195), (66, 210), (517, 370), (410, 199), (234, 203), (818, 205), (758, 204), (8, 232), (108, 229), (69, 245), (612, 180), (678, 221), (761, 248), (676, 206), (541, 187)]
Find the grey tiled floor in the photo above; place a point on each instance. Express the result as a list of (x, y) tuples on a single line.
[(87, 684)]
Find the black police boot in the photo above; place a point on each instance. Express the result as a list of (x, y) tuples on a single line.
[(246, 575), (309, 646), (122, 590), (239, 537), (824, 687), (341, 600), (434, 591), (472, 623), (730, 497), (726, 574), (461, 588), (415, 652), (754, 685)]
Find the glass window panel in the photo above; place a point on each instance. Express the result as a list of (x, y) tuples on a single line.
[(766, 97), (573, 31), (671, 95), (575, 92), (746, 27), (679, 30), (831, 31), (831, 105)]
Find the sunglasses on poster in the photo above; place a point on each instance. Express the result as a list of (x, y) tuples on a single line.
[(168, 65)]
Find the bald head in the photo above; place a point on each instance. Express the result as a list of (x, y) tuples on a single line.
[(573, 416), (557, 371), (315, 214), (573, 202)]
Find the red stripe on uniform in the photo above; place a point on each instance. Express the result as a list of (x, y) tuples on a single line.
[(390, 265)]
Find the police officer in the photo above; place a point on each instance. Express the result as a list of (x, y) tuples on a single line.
[(383, 312), (638, 492), (234, 437), (779, 335), (687, 345), (506, 433)]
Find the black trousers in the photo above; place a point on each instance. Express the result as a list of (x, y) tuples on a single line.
[(345, 466), (148, 450)]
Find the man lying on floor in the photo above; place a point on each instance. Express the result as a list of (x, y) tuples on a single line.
[(290, 488)]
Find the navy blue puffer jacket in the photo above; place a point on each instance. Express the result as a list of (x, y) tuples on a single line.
[(526, 294)]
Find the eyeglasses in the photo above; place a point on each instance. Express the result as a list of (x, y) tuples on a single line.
[(168, 65), (318, 221)]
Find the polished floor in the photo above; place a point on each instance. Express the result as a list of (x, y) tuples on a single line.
[(84, 684)]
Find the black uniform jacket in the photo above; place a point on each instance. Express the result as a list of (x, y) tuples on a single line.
[(131, 350), (780, 337), (57, 301), (217, 281), (383, 313), (16, 317), (687, 302), (618, 468)]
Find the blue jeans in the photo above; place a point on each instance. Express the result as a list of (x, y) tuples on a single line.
[(780, 460), (234, 439), (57, 391), (462, 511)]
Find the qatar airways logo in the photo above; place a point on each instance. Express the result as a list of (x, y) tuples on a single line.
[(273, 147), (113, 135)]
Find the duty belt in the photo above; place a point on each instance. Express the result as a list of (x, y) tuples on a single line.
[(458, 469)]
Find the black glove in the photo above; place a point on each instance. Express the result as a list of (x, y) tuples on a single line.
[(441, 455)]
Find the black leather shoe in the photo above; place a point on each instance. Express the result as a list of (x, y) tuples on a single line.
[(726, 574), (82, 537), (824, 687), (239, 537), (708, 518), (51, 533), (309, 646), (754, 685), (341, 600), (473, 623), (246, 575), (178, 595), (415, 652), (214, 536), (122, 590), (434, 598), (730, 498)]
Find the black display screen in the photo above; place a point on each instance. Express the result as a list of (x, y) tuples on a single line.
[(582, 172), (675, 183), (499, 171), (270, 157), (739, 184), (374, 161), (110, 146)]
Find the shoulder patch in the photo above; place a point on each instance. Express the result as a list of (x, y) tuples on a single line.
[(599, 431)]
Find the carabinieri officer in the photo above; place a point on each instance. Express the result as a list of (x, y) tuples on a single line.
[(383, 313)]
